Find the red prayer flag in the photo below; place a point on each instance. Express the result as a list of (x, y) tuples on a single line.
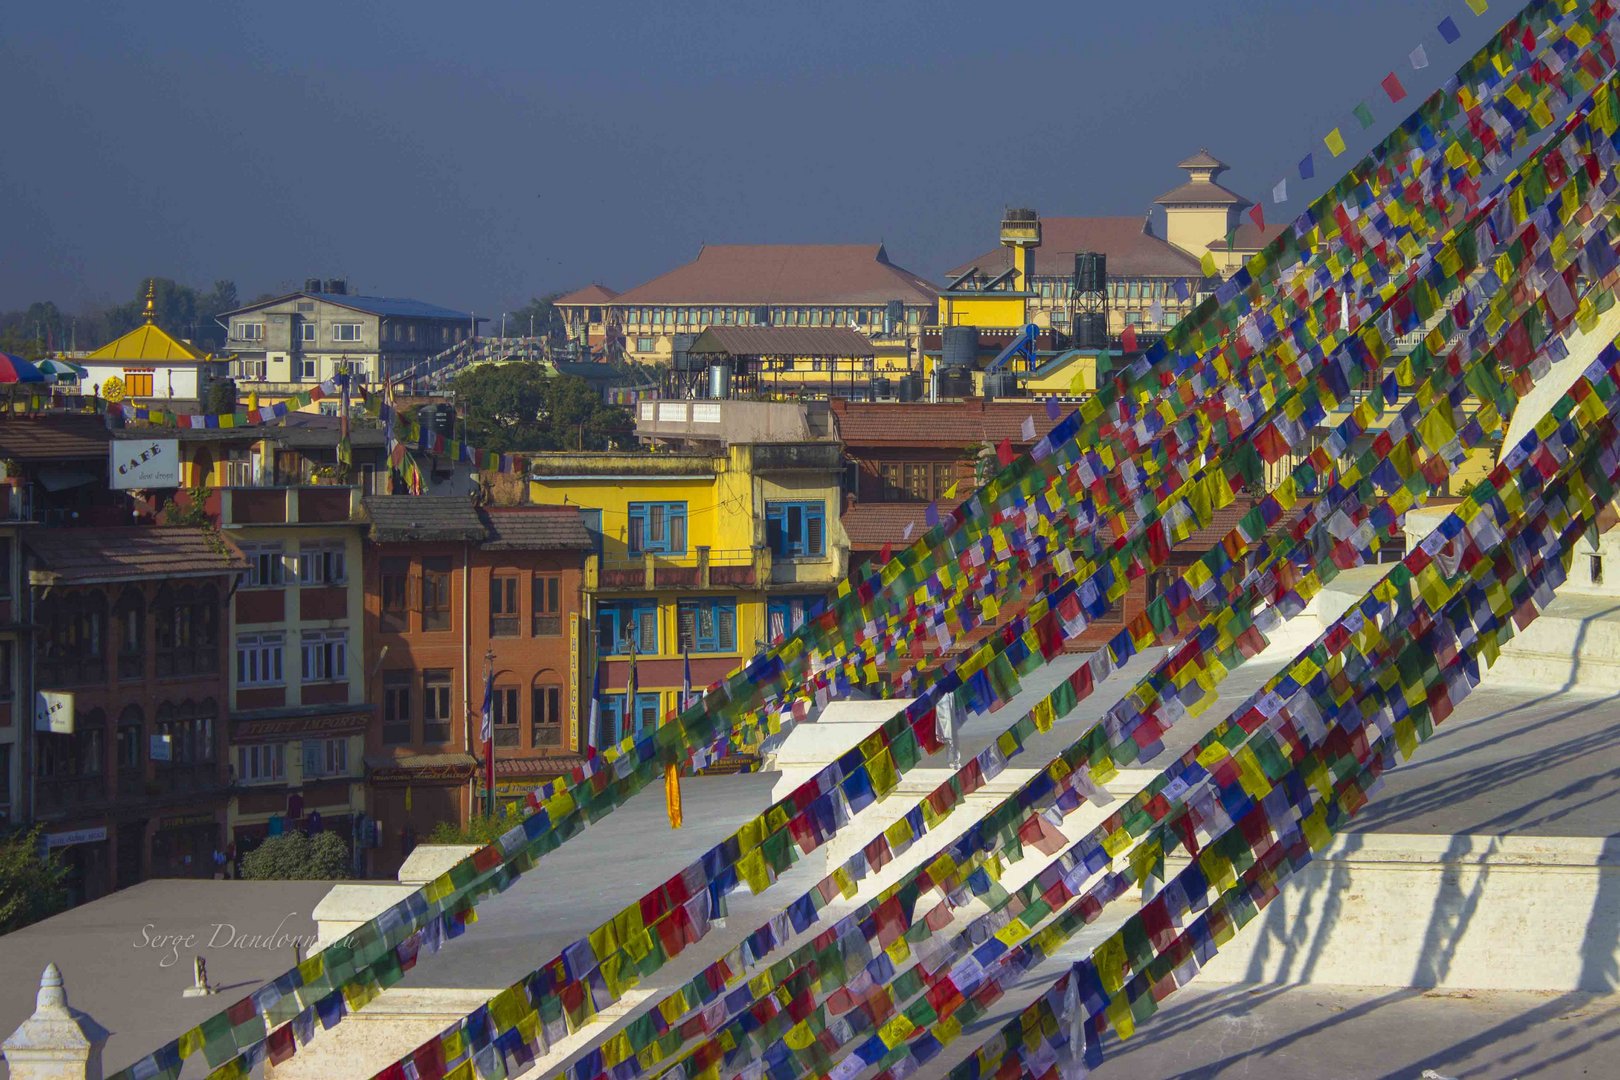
[(1004, 452), (1127, 340), (1392, 86), (1257, 214)]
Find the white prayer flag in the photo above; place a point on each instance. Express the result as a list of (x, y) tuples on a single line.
[(1280, 192), (1420, 58)]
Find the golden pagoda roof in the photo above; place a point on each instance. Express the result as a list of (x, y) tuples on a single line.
[(148, 343)]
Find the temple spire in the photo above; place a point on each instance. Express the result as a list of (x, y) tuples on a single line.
[(151, 294)]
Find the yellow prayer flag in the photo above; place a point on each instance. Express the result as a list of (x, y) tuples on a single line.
[(1335, 142), (1207, 264)]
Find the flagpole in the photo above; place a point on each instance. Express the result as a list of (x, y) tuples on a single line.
[(489, 733)]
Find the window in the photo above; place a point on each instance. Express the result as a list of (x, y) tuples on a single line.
[(326, 757), (436, 705), (322, 564), (436, 592), (394, 575), (614, 727), (264, 763), (796, 530), (266, 568), (250, 370), (916, 481), (131, 740), (708, 626), (326, 655), (70, 649), (7, 688), (258, 660), (658, 527), (186, 622), (623, 622), (304, 306), (306, 331), (644, 344), (1594, 568), (545, 725), (503, 607), (785, 614), (504, 715), (130, 615), (396, 708), (546, 611), (138, 383), (248, 331), (410, 333), (308, 368), (346, 331)]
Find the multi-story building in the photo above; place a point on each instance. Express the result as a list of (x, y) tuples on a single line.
[(454, 590), (288, 344), (795, 285), (1153, 279), (585, 319), (702, 554), (15, 693), (131, 775), (149, 364), (786, 363)]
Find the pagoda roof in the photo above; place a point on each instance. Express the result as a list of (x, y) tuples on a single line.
[(149, 343)]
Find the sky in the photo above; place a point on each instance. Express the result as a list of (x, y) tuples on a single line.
[(478, 154)]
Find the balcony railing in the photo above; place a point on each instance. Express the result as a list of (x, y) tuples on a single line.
[(504, 626), (546, 626), (72, 793), (506, 735), (546, 735), (71, 671), (173, 663), (705, 568), (185, 778)]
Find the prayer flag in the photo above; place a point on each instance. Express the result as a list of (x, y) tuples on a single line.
[(1477, 6), (1420, 58), (1449, 31), (1307, 167), (1280, 192), (1207, 264), (1334, 142), (1028, 430), (1258, 216), (1363, 115), (1392, 86)]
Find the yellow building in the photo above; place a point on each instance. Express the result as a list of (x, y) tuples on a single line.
[(783, 362), (149, 364), (702, 557)]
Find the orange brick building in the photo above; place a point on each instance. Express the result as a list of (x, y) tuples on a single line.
[(451, 586)]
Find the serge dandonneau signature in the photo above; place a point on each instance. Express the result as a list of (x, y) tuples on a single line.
[(220, 935)]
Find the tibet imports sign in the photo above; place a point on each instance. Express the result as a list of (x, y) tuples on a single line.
[(145, 463), (53, 711)]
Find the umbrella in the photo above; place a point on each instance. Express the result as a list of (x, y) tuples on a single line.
[(60, 370), (14, 369)]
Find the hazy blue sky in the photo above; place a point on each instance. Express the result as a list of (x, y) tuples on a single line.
[(476, 154)]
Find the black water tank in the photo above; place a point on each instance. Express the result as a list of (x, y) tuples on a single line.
[(955, 383), (895, 313), (882, 388), (1000, 384), (961, 347), (1090, 330), (1090, 271), (910, 387), (439, 419), (337, 286), (312, 284)]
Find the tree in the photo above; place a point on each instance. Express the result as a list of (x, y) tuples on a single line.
[(295, 857), (520, 407), (539, 313), (32, 884), (481, 830), (221, 396)]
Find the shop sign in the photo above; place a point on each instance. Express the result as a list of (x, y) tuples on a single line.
[(76, 836), (160, 748), (143, 464), (53, 711), (186, 821)]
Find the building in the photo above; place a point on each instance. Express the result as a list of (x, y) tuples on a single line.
[(785, 362), (292, 342), (1202, 216), (131, 779), (701, 555), (795, 285), (587, 324), (453, 590), (148, 364), (16, 694)]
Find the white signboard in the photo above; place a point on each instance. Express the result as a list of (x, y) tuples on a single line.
[(53, 711), (145, 463), (160, 748), (77, 836)]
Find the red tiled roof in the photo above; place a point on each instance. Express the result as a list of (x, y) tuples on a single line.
[(784, 274), (535, 528), (53, 437), (870, 525), (1201, 193), (537, 767), (594, 293), (1132, 250), (83, 556), (934, 424)]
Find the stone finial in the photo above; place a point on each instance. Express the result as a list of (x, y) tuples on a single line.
[(56, 1043)]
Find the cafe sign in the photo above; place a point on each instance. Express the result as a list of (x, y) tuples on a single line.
[(53, 712), (145, 463)]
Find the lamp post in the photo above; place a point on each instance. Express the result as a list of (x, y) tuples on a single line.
[(489, 733)]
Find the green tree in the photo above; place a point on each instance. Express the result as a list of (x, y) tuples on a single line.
[(539, 316), (32, 886), (295, 857), (481, 830), (221, 396), (521, 407)]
